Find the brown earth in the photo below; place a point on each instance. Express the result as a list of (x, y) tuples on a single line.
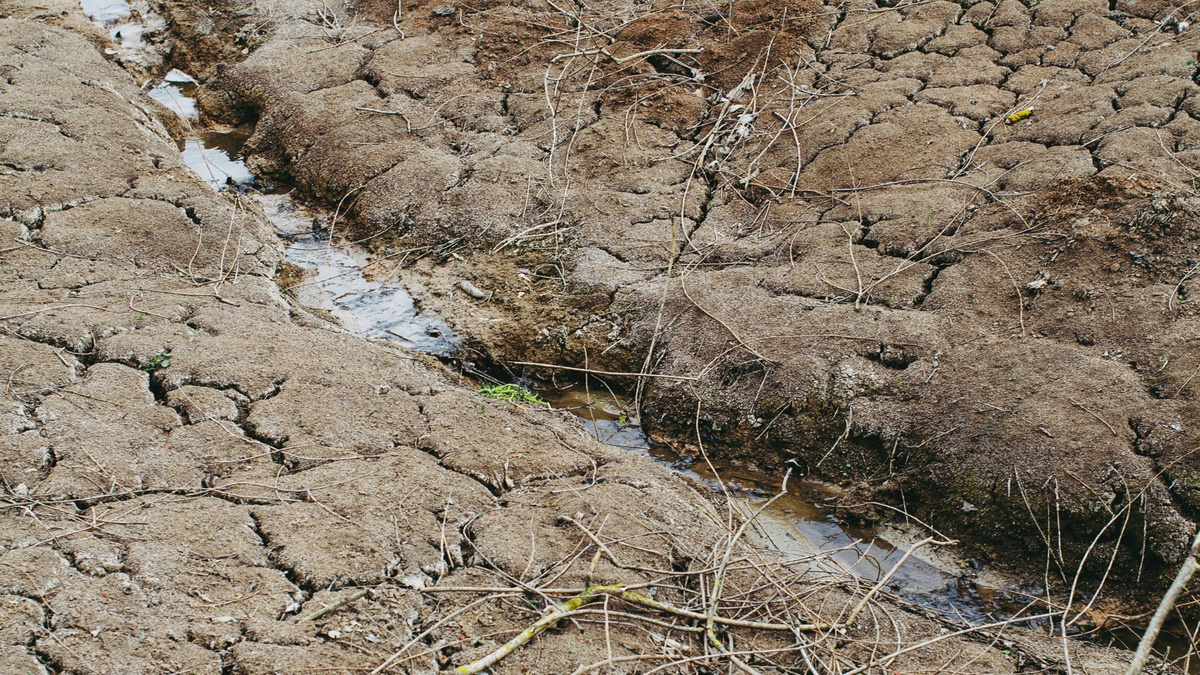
[(816, 210), (192, 465)]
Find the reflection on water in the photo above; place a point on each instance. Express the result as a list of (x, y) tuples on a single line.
[(126, 31), (216, 157), (379, 310), (177, 91), (106, 12), (801, 523), (382, 310)]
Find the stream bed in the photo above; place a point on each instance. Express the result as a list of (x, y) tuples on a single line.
[(800, 524), (336, 282)]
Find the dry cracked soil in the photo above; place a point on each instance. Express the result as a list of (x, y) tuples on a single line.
[(812, 224), (942, 253)]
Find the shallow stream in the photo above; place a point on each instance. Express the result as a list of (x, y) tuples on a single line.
[(801, 523)]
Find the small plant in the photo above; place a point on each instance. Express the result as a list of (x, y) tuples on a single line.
[(513, 393), (160, 360), (622, 419)]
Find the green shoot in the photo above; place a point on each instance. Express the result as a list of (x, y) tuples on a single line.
[(513, 393)]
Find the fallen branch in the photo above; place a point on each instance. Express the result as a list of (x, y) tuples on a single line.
[(52, 309), (558, 613)]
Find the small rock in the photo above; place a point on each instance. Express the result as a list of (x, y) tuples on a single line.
[(968, 507), (443, 10), (1115, 267), (471, 290), (415, 581)]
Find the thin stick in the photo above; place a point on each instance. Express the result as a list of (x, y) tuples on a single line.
[(1186, 382), (353, 597), (723, 324), (686, 378), (51, 309), (1085, 409)]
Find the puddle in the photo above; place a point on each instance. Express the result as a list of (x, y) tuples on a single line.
[(177, 92), (800, 523), (126, 28), (216, 157), (379, 310)]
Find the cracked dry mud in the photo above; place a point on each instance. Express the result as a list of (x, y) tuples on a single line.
[(193, 466), (192, 463), (818, 211)]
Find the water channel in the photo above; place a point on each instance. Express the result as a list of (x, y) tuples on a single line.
[(801, 523)]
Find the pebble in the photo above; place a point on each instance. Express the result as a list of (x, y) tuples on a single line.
[(471, 290)]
